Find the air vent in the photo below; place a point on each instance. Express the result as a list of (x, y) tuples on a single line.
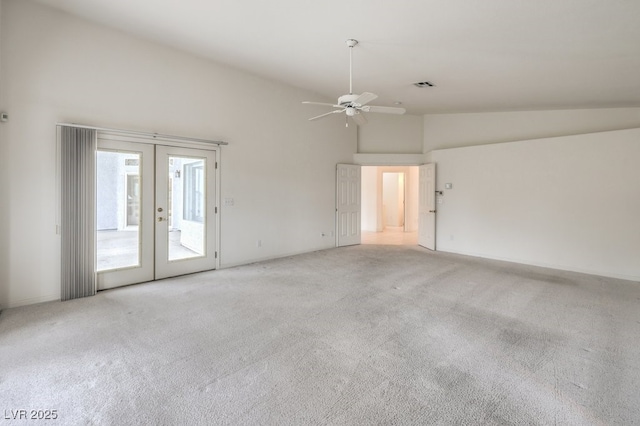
[(424, 84)]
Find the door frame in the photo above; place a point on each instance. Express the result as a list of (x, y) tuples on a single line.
[(384, 161), (108, 136)]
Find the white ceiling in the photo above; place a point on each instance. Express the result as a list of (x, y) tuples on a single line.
[(482, 55)]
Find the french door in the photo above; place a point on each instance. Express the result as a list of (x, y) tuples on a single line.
[(156, 211), (185, 211)]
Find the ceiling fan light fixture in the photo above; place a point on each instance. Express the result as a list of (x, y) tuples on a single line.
[(353, 104)]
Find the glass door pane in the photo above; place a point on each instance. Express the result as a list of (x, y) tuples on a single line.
[(186, 207), (118, 209), (124, 212)]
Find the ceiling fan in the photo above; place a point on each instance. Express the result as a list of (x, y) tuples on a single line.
[(354, 105)]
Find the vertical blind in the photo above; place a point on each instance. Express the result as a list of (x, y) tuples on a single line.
[(78, 203)]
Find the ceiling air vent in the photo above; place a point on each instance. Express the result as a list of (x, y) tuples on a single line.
[(424, 84)]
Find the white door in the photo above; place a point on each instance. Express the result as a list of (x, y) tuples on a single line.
[(156, 212), (124, 213), (348, 204), (185, 211), (427, 206)]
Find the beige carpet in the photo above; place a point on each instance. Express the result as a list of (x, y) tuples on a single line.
[(359, 335)]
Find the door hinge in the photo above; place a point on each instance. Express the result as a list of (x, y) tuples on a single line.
[(216, 210), (216, 164), (216, 255)]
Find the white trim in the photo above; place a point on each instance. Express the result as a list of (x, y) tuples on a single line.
[(146, 135), (555, 266), (31, 301), (218, 197), (389, 159)]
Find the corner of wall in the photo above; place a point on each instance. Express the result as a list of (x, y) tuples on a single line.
[(456, 130), (425, 148)]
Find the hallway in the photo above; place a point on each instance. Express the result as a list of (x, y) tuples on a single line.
[(392, 235)]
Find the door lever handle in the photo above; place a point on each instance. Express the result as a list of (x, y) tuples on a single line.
[(432, 211)]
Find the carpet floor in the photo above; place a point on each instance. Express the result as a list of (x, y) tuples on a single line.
[(359, 335)]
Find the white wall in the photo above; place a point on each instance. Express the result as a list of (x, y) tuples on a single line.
[(387, 133), (457, 130), (279, 168), (569, 202), (369, 202)]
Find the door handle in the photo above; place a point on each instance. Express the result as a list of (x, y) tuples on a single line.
[(432, 211), (160, 219)]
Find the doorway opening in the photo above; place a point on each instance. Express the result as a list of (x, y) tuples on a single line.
[(390, 205)]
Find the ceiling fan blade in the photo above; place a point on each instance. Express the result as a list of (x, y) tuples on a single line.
[(365, 98), (359, 118), (321, 103), (383, 109), (324, 115)]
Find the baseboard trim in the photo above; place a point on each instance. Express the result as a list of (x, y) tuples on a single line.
[(544, 265), (266, 258), (32, 301)]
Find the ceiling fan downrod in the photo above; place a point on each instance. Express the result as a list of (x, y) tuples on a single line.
[(351, 43)]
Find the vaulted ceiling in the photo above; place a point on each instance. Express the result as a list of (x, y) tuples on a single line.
[(489, 55)]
